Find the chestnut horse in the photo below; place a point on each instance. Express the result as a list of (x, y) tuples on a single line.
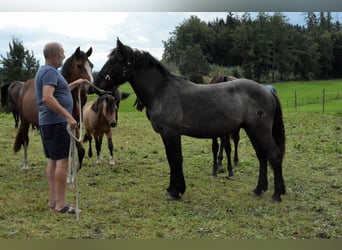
[(75, 67)]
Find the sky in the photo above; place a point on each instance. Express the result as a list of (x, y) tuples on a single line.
[(141, 30)]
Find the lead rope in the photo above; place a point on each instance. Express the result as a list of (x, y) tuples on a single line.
[(73, 164)]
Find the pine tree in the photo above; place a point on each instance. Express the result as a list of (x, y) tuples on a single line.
[(19, 64)]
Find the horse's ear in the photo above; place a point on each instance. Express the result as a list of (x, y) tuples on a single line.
[(77, 52), (118, 42), (89, 52), (120, 46)]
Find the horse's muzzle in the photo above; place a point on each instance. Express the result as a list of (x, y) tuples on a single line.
[(113, 124)]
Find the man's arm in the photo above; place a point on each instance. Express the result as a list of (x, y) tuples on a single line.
[(50, 101)]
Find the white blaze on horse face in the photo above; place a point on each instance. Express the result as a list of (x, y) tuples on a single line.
[(89, 71)]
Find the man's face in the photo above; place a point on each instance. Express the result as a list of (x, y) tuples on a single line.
[(60, 57)]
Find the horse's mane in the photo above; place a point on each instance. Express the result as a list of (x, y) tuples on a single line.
[(140, 59)]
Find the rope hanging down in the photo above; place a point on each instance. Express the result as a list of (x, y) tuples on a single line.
[(73, 163)]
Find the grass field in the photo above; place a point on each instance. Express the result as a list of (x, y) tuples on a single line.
[(129, 201), (310, 96)]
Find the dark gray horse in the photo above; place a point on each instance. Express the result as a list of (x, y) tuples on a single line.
[(178, 107)]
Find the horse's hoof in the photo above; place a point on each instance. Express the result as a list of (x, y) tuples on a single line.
[(220, 170), (231, 177), (257, 194), (172, 197), (112, 163), (276, 198), (25, 169)]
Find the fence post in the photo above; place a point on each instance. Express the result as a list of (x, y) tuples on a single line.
[(323, 99)]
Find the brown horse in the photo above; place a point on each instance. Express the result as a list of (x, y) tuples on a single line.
[(99, 117), (75, 67), (225, 141)]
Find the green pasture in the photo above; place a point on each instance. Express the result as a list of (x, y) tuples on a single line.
[(129, 202), (310, 96)]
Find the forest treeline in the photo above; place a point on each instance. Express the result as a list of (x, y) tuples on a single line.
[(265, 48)]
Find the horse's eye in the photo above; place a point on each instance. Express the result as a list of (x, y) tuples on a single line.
[(107, 77)]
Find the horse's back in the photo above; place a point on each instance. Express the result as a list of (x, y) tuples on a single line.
[(88, 115)]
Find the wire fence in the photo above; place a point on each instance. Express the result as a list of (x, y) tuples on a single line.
[(322, 99)]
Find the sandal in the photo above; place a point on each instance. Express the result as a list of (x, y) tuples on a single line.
[(68, 209)]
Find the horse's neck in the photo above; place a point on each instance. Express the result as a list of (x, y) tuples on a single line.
[(147, 84)]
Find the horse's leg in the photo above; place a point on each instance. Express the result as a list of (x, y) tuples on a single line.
[(98, 144), (80, 153), (26, 165), (214, 148), (236, 139), (22, 139), (110, 148), (15, 117), (267, 149), (226, 144), (220, 154), (88, 138), (173, 150), (262, 157), (275, 159)]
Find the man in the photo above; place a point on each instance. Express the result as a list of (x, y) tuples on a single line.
[(55, 104)]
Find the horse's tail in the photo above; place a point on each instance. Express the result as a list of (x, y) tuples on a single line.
[(278, 130), (4, 94)]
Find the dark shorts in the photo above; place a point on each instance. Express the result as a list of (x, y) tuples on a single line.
[(56, 140)]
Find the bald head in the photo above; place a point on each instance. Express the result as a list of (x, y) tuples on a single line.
[(51, 49), (54, 54)]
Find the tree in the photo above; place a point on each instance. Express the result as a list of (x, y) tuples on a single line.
[(337, 51), (191, 31), (193, 64), (243, 45), (19, 63)]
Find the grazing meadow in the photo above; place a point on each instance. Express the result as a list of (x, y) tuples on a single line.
[(128, 201)]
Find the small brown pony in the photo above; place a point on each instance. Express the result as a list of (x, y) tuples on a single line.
[(99, 117), (225, 141), (75, 67)]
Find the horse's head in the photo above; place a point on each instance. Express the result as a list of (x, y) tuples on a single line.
[(107, 106), (116, 70), (78, 66)]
